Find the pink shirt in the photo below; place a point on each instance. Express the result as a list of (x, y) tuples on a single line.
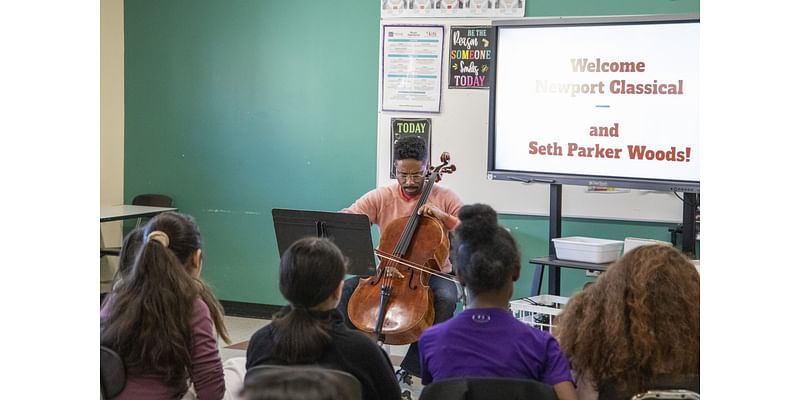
[(385, 204), (206, 374)]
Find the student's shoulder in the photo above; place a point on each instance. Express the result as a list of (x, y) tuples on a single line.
[(200, 311), (262, 335), (438, 331), (355, 339)]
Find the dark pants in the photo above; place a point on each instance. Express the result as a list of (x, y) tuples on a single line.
[(445, 295)]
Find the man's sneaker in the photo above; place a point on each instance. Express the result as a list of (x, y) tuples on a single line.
[(404, 376), (406, 395), (406, 380)]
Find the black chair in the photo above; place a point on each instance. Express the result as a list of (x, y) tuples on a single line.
[(112, 373), (662, 387), (487, 389), (263, 377), (153, 200)]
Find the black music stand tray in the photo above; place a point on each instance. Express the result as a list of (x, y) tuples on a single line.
[(351, 232)]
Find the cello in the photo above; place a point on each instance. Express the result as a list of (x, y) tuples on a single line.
[(397, 309)]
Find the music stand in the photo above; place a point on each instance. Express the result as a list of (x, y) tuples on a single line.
[(350, 232)]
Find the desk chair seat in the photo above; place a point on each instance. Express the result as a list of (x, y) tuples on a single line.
[(112, 373), (152, 200), (262, 379), (487, 389)]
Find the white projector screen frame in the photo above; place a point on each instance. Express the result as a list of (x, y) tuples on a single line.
[(571, 102)]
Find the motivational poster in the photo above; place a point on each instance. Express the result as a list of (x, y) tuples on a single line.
[(470, 56)]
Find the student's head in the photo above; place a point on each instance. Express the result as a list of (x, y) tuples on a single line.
[(312, 270), (311, 279), (291, 384), (410, 164), (179, 234), (487, 258), (640, 318), (149, 308)]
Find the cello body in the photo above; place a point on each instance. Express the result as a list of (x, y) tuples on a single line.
[(408, 309)]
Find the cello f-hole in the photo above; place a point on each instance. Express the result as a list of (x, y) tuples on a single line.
[(411, 279)]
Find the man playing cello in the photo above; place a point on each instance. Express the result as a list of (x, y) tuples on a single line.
[(385, 204)]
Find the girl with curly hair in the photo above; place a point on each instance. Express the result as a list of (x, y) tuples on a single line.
[(637, 325)]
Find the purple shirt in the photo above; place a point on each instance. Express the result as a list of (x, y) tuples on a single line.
[(207, 375), (490, 342)]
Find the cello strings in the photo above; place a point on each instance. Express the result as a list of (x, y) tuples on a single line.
[(421, 268)]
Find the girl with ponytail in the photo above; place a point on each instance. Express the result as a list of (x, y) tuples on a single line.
[(310, 330), (161, 318), (485, 340)]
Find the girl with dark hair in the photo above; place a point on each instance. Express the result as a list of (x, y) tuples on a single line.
[(485, 340), (638, 325), (160, 317), (310, 330)]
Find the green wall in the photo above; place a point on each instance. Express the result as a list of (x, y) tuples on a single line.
[(236, 107)]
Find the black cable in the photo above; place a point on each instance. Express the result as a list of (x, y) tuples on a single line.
[(684, 201)]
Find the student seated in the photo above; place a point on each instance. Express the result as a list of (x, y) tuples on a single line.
[(310, 330), (162, 319), (637, 324), (485, 340)]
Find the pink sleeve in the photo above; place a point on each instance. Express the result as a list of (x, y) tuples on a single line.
[(368, 205), (452, 205), (207, 375)]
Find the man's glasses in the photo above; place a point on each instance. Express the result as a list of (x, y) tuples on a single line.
[(415, 175)]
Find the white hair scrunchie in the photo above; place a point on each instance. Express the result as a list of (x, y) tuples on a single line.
[(159, 237)]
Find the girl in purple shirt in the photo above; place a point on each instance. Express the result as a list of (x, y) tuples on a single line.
[(485, 340)]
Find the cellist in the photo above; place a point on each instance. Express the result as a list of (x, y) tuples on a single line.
[(385, 204)]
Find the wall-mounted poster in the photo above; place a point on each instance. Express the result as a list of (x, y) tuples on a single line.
[(411, 75), (470, 56), (452, 8), (409, 127)]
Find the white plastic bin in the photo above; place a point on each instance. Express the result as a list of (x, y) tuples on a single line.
[(632, 243), (538, 311), (587, 249)]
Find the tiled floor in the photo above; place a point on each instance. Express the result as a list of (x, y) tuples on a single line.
[(239, 329)]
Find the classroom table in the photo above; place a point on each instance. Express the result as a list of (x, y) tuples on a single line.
[(127, 211), (552, 263)]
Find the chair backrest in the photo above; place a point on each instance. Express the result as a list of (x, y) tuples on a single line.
[(689, 384), (261, 378), (112, 373), (487, 389), (154, 200)]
